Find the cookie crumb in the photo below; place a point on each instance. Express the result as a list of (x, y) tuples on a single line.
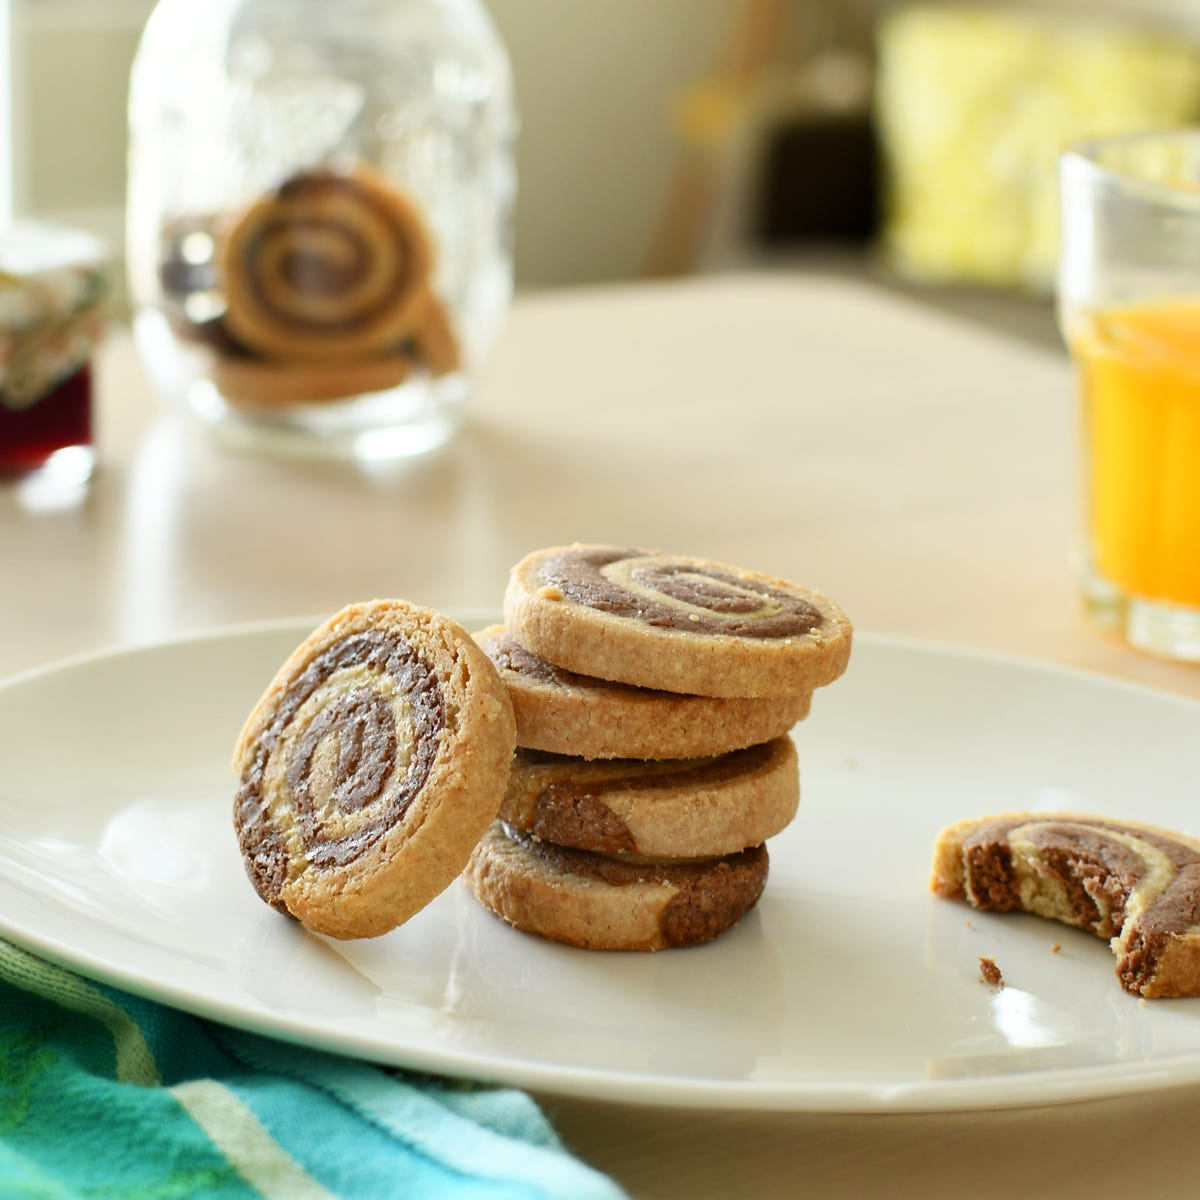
[(1056, 948), (990, 973), (550, 592)]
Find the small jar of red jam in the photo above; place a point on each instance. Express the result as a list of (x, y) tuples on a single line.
[(53, 283)]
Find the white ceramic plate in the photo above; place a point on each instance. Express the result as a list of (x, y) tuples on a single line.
[(849, 988)]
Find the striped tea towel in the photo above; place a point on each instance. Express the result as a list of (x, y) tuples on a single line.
[(103, 1094)]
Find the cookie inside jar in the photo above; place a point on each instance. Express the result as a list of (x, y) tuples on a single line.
[(319, 216), (318, 291)]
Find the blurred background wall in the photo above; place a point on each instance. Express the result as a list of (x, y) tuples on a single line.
[(594, 78), (661, 136)]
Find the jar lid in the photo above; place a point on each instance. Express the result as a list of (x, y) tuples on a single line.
[(48, 272), (52, 283)]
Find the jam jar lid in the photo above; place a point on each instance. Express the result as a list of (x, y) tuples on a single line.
[(53, 282)]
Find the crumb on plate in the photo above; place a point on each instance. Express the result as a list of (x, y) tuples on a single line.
[(990, 973)]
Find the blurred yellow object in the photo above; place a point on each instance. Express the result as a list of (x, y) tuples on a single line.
[(704, 115), (974, 106)]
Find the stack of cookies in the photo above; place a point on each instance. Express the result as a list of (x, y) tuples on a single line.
[(653, 695)]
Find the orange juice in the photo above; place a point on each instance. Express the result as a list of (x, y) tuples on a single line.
[(1139, 370)]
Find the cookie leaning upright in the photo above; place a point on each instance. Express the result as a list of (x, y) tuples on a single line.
[(674, 623), (370, 768)]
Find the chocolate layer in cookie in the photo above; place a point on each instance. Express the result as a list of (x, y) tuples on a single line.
[(685, 808), (1135, 884), (599, 903)]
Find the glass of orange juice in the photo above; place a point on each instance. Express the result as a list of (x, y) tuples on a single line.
[(1129, 309)]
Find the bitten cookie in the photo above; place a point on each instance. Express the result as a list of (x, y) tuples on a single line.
[(1135, 884), (372, 765), (673, 623), (600, 903), (566, 713), (685, 808)]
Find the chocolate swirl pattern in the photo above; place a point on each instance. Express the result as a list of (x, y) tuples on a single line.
[(680, 593), (328, 266), (1134, 884), (353, 809), (675, 623), (348, 749)]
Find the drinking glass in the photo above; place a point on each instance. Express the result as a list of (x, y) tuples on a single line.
[(1129, 310)]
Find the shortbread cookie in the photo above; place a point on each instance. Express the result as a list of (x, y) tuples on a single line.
[(1135, 884), (600, 903), (435, 340), (329, 265), (676, 624), (684, 808), (370, 768), (566, 713), (253, 383)]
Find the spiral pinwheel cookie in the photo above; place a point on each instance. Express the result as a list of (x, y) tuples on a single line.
[(371, 766), (673, 623), (330, 265), (597, 902), (684, 808), (567, 713), (1135, 884)]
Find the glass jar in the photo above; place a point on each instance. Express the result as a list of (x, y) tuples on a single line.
[(319, 216), (53, 285)]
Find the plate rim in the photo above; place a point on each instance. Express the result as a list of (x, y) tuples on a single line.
[(1048, 1086), (468, 615)]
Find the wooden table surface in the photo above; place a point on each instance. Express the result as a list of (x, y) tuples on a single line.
[(917, 468)]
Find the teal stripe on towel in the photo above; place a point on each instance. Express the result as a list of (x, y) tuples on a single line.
[(106, 1095)]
